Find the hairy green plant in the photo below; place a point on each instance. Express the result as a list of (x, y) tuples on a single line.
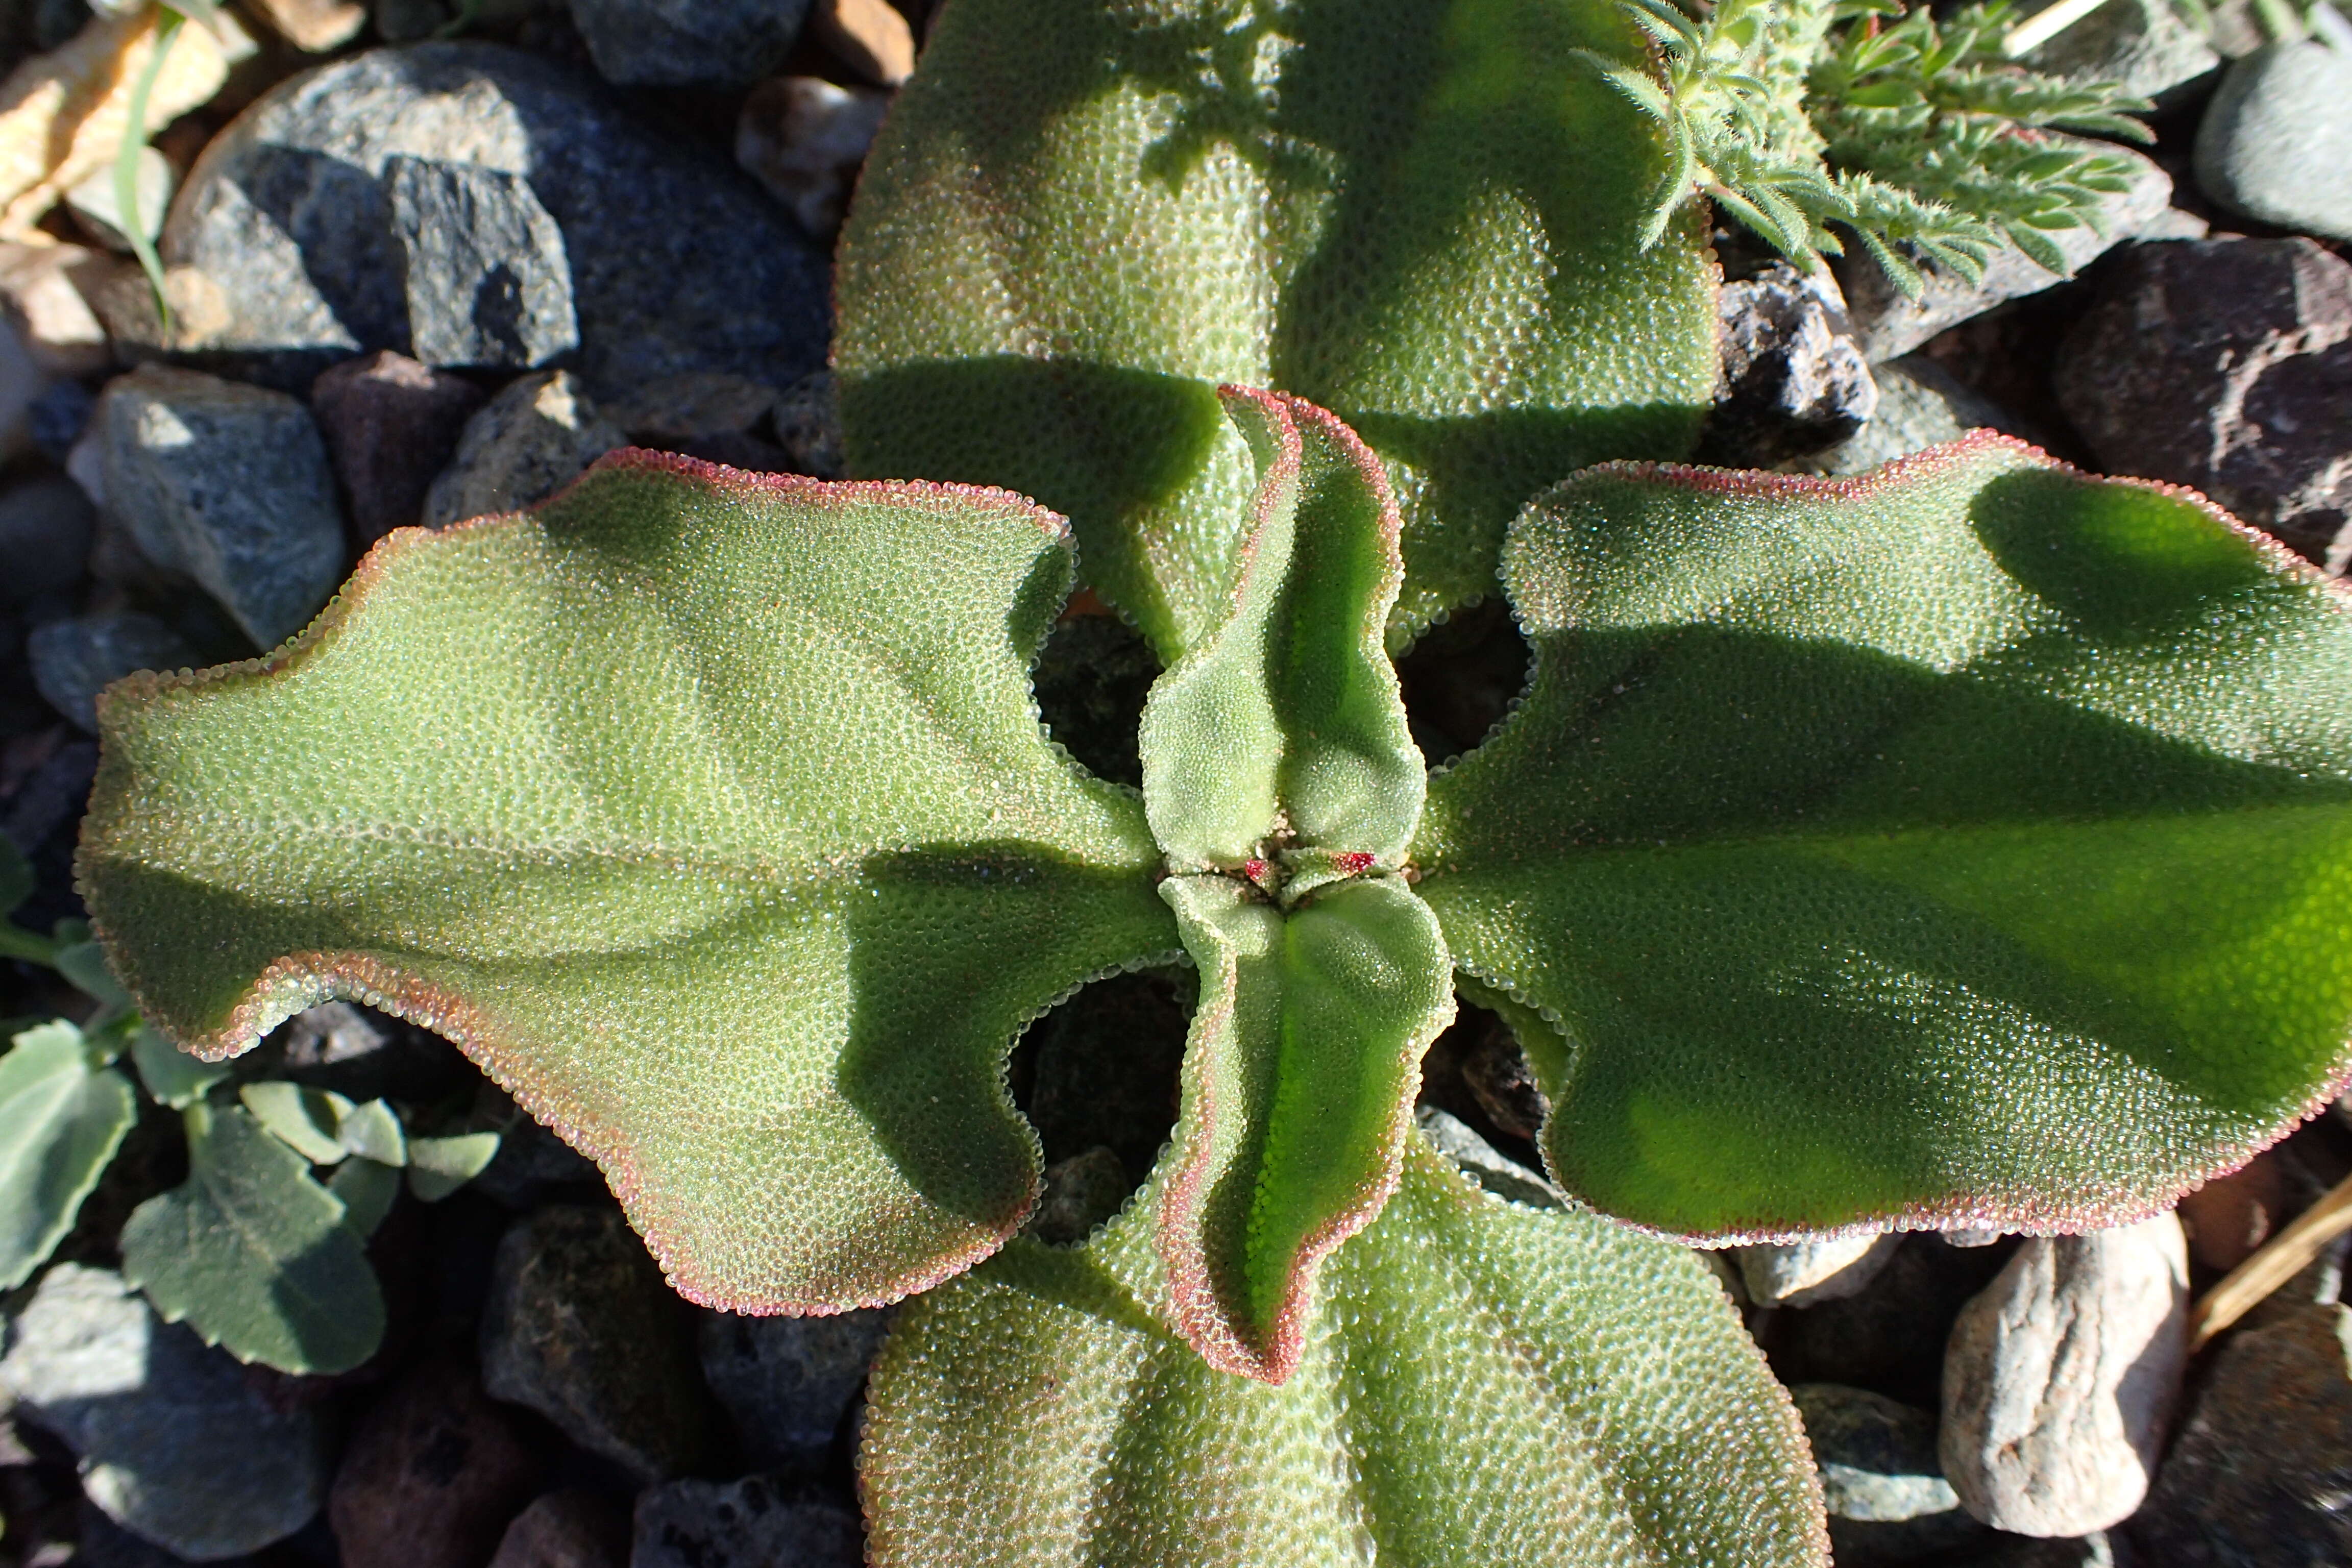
[(251, 1251), (1958, 844), (1912, 133)]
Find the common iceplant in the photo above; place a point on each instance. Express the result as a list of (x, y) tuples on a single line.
[(1963, 843)]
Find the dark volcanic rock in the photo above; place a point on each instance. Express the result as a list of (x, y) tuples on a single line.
[(755, 1523), (432, 1476), (688, 43), (674, 263), (2258, 1474), (582, 1328), (566, 1529), (2225, 364), (391, 424), (788, 1382)]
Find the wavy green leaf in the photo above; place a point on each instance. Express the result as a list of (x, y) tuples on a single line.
[(1299, 1082), (1284, 731), (367, 1190), (62, 1116), (1423, 215), (305, 1120), (253, 1254), (171, 1076), (439, 1166), (1968, 843), (1482, 1385), (709, 812)]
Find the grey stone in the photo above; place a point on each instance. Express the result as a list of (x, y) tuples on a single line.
[(363, 1053), (2060, 1379), (1920, 405), (1887, 1500), (566, 1529), (523, 445), (1078, 1193), (1802, 1273), (756, 1523), (2148, 47), (1889, 1336), (2100, 1549), (174, 1444), (229, 485), (2275, 143), (581, 1327), (1794, 379), (676, 262), (1886, 325), (75, 661), (391, 424), (808, 427), (1483, 1164), (2225, 364), (106, 1544), (688, 43), (709, 414), (2262, 1467), (46, 526), (789, 1382), (488, 283)]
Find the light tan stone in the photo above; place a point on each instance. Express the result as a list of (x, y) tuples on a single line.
[(870, 37)]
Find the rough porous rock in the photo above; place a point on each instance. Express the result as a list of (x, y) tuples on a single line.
[(756, 1523), (1887, 1500), (1078, 1195), (2146, 46), (566, 1529), (2275, 143), (229, 485), (2225, 364), (1794, 379), (432, 1475), (2060, 1379), (804, 139), (1803, 1273), (74, 661), (174, 1444), (581, 1327), (531, 440), (1886, 325), (2260, 1472), (675, 262), (391, 424), (46, 526), (1920, 405), (487, 284), (688, 43), (788, 1382)]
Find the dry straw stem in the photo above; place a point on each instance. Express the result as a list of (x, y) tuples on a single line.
[(2279, 1260)]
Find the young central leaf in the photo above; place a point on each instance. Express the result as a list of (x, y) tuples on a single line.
[(1299, 1078), (1284, 787), (1284, 732), (709, 812)]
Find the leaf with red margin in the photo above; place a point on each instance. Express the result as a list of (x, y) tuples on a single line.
[(1424, 214), (1299, 1078), (1287, 720), (1968, 843), (1482, 1385), (709, 812)]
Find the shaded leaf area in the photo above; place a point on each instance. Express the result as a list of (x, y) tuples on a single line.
[(1299, 1076), (1283, 734), (1481, 1383), (253, 1255), (708, 814), (1966, 843), (62, 1116), (1423, 215)]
